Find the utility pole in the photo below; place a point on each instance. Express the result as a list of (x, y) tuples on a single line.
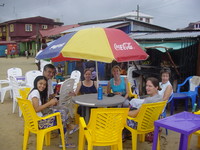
[(138, 8)]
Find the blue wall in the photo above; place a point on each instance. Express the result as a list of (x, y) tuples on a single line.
[(2, 50)]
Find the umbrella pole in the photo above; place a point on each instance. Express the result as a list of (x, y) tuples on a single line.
[(97, 74)]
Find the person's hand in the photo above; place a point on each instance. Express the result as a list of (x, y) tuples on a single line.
[(51, 96), (53, 101), (71, 93), (118, 93)]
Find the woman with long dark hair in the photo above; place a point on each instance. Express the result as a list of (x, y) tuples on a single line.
[(38, 96)]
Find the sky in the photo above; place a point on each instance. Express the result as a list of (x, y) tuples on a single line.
[(172, 14)]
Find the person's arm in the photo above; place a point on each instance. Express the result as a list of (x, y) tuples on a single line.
[(95, 84), (127, 89), (38, 108), (167, 92), (133, 113)]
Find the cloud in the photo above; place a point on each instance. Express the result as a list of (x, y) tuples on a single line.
[(172, 14)]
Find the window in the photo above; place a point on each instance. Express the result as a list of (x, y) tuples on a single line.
[(28, 27), (147, 20), (197, 26), (11, 27), (44, 26), (141, 19), (4, 29)]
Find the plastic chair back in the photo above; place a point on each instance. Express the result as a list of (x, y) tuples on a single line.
[(145, 121), (30, 77), (148, 114), (76, 75), (15, 91), (14, 72), (106, 124), (194, 82), (24, 92), (64, 98), (29, 114), (104, 128)]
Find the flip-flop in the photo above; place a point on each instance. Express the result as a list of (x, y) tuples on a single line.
[(68, 145), (74, 130)]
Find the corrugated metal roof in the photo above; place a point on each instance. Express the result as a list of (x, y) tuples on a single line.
[(164, 35), (57, 30), (102, 25)]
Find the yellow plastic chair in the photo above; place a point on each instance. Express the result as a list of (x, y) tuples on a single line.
[(104, 128), (24, 92), (130, 94), (145, 121), (196, 133), (31, 125)]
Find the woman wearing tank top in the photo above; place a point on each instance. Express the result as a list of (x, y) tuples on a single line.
[(86, 86), (118, 85)]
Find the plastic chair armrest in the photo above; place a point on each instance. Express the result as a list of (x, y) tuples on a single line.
[(179, 85), (82, 123), (134, 119), (51, 115), (57, 115)]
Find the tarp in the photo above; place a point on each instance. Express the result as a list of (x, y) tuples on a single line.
[(169, 46)]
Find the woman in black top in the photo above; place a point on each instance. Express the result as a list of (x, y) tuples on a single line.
[(86, 86)]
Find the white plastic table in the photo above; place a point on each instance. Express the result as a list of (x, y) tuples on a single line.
[(90, 100)]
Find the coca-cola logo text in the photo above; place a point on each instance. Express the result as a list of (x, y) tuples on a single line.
[(123, 46)]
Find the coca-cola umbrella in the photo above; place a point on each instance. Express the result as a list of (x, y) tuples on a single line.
[(60, 57), (98, 44)]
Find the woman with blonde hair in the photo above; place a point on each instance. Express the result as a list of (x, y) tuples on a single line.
[(118, 85)]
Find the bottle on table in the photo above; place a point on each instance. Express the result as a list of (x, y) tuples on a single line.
[(194, 107), (100, 93)]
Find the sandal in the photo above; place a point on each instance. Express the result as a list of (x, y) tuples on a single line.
[(74, 130), (68, 145)]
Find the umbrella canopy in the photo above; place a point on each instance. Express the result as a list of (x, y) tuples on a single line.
[(60, 57), (98, 44)]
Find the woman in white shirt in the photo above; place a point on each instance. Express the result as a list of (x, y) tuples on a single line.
[(39, 98), (165, 84), (165, 88)]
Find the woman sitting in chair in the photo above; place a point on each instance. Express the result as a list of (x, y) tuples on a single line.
[(86, 86), (38, 96), (118, 85), (165, 84), (152, 87), (165, 91), (41, 104)]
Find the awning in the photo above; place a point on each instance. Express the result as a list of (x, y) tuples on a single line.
[(167, 46)]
